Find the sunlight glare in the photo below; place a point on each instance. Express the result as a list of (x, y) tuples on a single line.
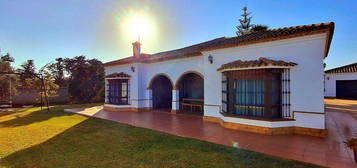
[(140, 25)]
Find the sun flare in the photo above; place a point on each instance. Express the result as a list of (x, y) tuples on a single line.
[(139, 26)]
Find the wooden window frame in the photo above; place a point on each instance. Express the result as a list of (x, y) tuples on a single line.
[(268, 75), (118, 99), (224, 94)]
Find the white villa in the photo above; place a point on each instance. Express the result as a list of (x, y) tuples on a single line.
[(269, 82)]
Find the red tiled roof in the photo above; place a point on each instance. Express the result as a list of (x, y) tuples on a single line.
[(262, 62), (127, 60), (118, 75), (224, 42), (343, 69)]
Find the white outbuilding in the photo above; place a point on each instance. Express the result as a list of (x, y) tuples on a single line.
[(341, 82), (269, 81)]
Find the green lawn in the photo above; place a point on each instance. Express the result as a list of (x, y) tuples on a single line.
[(34, 138)]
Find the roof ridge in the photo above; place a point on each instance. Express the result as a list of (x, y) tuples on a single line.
[(301, 26), (341, 67), (220, 38)]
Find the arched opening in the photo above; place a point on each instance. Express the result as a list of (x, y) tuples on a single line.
[(191, 93), (161, 93)]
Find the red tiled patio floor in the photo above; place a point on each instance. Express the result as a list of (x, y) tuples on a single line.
[(330, 152)]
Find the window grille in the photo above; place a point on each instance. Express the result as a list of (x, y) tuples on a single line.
[(263, 93), (118, 91), (224, 94), (285, 94)]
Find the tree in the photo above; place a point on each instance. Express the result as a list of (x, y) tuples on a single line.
[(57, 71), (8, 81), (245, 26), (5, 63), (86, 79), (28, 68), (7, 58), (27, 72), (259, 27), (46, 85)]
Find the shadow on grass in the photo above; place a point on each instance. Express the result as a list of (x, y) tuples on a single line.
[(36, 116), (101, 143), (41, 115), (3, 112)]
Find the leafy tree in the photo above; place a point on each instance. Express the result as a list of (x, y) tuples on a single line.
[(41, 80), (27, 72), (86, 79), (5, 63), (7, 58), (83, 77), (28, 69), (259, 27), (57, 71), (8, 81), (49, 88)]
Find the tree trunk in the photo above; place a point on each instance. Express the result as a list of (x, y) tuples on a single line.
[(355, 154)]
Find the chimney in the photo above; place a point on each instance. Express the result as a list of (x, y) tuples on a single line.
[(136, 49)]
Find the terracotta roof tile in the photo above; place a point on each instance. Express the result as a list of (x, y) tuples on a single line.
[(224, 42), (118, 75), (261, 62), (343, 69)]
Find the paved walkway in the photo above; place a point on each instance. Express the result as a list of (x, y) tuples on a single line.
[(330, 152)]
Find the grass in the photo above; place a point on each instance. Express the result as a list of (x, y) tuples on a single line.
[(34, 138)]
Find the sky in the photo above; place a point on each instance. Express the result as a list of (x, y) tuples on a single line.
[(43, 30)]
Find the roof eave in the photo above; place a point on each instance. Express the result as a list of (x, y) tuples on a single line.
[(153, 60), (251, 68), (329, 32)]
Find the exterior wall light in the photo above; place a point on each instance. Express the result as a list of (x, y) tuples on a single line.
[(210, 59), (133, 69)]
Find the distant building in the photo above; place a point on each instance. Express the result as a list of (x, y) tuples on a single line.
[(341, 82)]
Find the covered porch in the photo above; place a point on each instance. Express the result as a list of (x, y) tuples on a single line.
[(186, 96), (190, 88)]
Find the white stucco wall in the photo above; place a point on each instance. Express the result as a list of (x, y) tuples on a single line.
[(133, 82), (306, 78), (330, 81), (140, 95), (173, 68)]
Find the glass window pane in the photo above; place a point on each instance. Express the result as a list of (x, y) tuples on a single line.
[(123, 93), (224, 97), (224, 86), (124, 86), (249, 98)]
